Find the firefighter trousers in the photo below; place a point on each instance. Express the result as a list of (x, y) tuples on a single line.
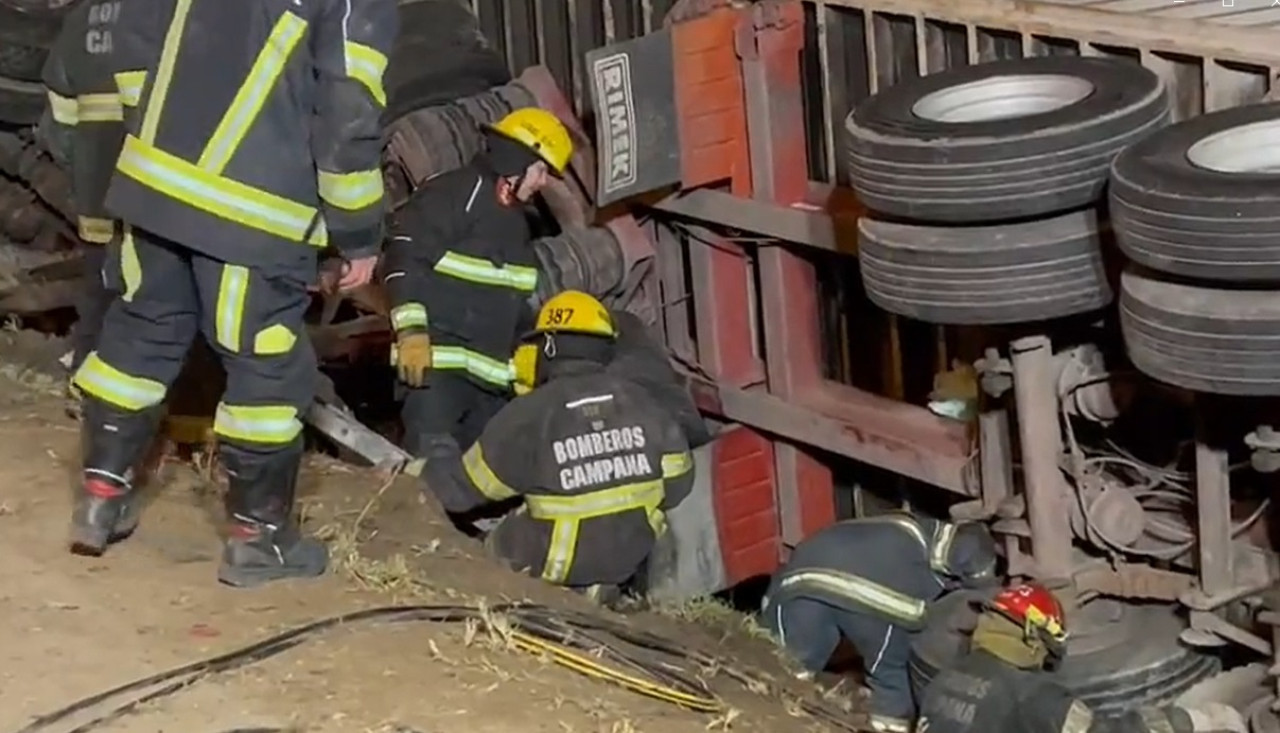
[(450, 403), (253, 319), (92, 298), (886, 652)]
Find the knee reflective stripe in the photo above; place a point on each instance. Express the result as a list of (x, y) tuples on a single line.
[(253, 93), (99, 108), (483, 477), (1154, 720), (229, 317), (220, 196), (105, 382), (484, 272), (885, 724), (130, 266), (65, 111), (129, 84), (95, 230), (164, 72), (269, 424), (676, 464), (568, 512), (409, 315), (366, 66), (482, 367), (859, 591), (350, 191), (939, 555), (274, 340), (1079, 718)]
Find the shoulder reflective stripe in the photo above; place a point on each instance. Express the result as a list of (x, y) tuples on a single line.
[(858, 590), (483, 367), (902, 521), (164, 71), (477, 270), (100, 379), (228, 318), (482, 476), (129, 84), (676, 464), (366, 66), (1079, 718), (568, 512), (63, 109), (219, 196), (939, 555), (99, 108), (95, 230), (253, 93), (350, 191), (409, 315), (266, 424)]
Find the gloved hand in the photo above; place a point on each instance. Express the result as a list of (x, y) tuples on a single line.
[(413, 358), (1214, 717)]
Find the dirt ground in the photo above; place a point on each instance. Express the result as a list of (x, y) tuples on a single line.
[(72, 626)]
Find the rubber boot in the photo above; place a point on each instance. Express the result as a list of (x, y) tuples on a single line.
[(263, 543), (106, 508)]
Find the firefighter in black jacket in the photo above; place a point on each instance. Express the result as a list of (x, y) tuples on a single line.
[(1001, 686), (459, 271), (83, 128), (869, 581), (595, 461), (255, 143)]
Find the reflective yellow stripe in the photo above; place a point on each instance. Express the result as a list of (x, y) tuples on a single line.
[(253, 93), (350, 191), (676, 464), (568, 512), (99, 108), (482, 367), (229, 318), (219, 196), (129, 84), (130, 265), (63, 109), (270, 424), (95, 230), (483, 477), (366, 66), (164, 72), (100, 379), (858, 590), (943, 535), (409, 315), (478, 270)]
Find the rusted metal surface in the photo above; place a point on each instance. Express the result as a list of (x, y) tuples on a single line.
[(1213, 515), (1133, 581)]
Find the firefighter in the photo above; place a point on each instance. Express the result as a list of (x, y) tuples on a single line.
[(869, 581), (83, 129), (243, 159), (1001, 686), (643, 359), (459, 271), (594, 460)]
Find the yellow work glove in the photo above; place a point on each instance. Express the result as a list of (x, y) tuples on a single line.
[(413, 358)]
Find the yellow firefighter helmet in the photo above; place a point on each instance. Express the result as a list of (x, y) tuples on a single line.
[(574, 311), (540, 131)]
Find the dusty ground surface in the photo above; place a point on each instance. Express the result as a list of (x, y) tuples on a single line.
[(71, 627)]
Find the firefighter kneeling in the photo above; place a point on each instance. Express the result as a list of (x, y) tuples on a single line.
[(869, 580), (1001, 685), (596, 462)]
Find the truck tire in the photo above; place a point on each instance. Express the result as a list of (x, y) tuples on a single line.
[(1007, 140), (1202, 338), (33, 22), (1147, 668), (21, 102), (22, 62), (990, 275), (1201, 198)]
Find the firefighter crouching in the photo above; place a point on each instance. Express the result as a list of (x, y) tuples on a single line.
[(1000, 686), (83, 129), (245, 157), (459, 270), (596, 462), (643, 359), (869, 581)]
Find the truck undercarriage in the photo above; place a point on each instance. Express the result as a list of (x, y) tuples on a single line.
[(855, 362)]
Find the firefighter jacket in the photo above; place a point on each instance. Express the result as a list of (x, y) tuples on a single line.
[(642, 359), (982, 694), (460, 266), (596, 463), (257, 127), (84, 123), (889, 566)]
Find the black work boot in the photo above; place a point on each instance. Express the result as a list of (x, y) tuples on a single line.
[(263, 543), (106, 508)]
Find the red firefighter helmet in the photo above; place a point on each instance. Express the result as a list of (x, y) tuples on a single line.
[(1033, 607)]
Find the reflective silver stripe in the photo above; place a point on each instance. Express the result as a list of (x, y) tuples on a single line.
[(475, 269), (943, 535), (858, 590), (1079, 718), (904, 522)]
